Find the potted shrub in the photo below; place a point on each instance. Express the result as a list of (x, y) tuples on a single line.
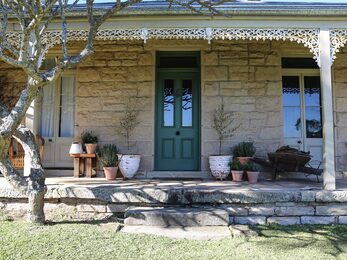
[(108, 159), (129, 163), (244, 152), (236, 170), (252, 171), (90, 140), (222, 121)]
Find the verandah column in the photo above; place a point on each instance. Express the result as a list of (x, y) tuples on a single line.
[(329, 179)]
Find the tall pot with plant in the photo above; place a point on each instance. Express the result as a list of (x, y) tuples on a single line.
[(108, 159), (222, 121), (244, 152), (129, 163), (90, 140)]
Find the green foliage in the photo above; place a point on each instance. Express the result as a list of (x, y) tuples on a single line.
[(244, 149), (235, 165), (128, 122), (107, 156), (88, 137), (222, 121), (251, 167)]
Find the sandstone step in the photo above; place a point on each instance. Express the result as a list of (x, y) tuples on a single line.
[(175, 216)]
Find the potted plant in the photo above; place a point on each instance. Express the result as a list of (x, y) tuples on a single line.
[(252, 171), (236, 170), (129, 163), (90, 140), (108, 159), (222, 121), (244, 152)]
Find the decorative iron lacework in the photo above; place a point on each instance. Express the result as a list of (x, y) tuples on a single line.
[(338, 38), (308, 37)]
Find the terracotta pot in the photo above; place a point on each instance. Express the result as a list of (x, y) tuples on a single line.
[(90, 148), (219, 166), (129, 165), (252, 177), (244, 160), (237, 175), (110, 173)]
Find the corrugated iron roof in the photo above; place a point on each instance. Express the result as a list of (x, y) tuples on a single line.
[(240, 7)]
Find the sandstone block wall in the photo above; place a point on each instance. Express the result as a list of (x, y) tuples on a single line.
[(116, 75), (246, 76), (12, 81), (340, 109)]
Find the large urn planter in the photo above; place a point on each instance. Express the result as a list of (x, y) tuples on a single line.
[(129, 165), (219, 166), (110, 172)]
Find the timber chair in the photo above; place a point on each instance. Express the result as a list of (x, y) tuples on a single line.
[(16, 152)]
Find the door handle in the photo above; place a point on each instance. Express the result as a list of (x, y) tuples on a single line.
[(178, 133), (50, 140), (299, 142)]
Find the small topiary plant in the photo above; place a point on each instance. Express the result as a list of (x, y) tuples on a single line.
[(88, 137), (235, 165), (250, 167), (244, 149)]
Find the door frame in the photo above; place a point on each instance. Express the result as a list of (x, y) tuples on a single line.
[(301, 73), (56, 140), (158, 70)]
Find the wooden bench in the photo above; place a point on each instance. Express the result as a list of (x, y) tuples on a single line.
[(84, 164)]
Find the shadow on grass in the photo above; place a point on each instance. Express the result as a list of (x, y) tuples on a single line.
[(334, 237)]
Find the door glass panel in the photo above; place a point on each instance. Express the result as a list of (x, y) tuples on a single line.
[(169, 102), (187, 103), (313, 122), (292, 122), (47, 110), (291, 91), (67, 107), (312, 91)]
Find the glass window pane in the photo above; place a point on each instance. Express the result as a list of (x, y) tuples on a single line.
[(187, 103), (47, 111), (67, 107), (312, 91), (291, 90), (313, 122), (169, 102), (292, 122)]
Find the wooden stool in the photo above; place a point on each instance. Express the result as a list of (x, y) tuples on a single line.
[(84, 163)]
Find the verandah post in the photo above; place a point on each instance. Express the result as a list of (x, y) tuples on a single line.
[(329, 179)]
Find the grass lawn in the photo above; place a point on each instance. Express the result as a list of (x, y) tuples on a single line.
[(19, 240)]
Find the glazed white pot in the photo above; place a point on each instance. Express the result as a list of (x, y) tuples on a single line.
[(129, 165), (219, 166)]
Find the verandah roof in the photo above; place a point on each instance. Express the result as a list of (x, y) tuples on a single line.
[(236, 8)]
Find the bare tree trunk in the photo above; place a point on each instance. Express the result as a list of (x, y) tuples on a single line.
[(32, 186), (36, 180)]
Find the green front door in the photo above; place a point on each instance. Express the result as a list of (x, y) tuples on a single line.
[(177, 121)]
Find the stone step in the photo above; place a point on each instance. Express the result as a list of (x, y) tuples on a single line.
[(175, 216)]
